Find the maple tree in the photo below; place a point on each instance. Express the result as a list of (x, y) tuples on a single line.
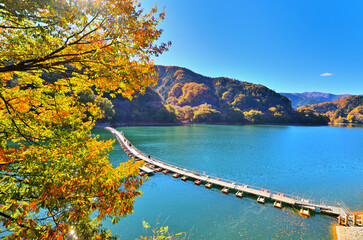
[(55, 178)]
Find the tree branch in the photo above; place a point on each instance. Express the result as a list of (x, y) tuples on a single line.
[(12, 219)]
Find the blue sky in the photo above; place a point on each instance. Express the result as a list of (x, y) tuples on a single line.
[(285, 45)]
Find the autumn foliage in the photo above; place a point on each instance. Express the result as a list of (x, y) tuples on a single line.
[(183, 96), (345, 110), (54, 173)]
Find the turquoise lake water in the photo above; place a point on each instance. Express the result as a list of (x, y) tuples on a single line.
[(317, 162)]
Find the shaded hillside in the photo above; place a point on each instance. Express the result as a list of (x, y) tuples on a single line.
[(301, 99), (147, 108), (345, 110), (184, 96)]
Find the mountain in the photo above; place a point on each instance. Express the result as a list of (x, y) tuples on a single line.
[(301, 99), (183, 96), (345, 110)]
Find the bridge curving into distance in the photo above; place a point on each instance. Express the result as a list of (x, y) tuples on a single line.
[(334, 209)]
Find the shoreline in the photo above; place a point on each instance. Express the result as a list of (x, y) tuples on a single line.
[(345, 124), (155, 124), (348, 233), (102, 125)]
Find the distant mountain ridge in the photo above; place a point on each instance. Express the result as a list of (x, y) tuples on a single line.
[(305, 98), (183, 96)]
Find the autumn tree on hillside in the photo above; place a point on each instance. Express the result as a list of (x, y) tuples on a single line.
[(53, 173)]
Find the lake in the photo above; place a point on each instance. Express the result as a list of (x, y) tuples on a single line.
[(312, 162)]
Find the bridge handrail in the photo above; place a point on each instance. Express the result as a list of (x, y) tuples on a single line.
[(202, 173), (346, 209)]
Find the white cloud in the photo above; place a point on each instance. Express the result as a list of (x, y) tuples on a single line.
[(326, 74)]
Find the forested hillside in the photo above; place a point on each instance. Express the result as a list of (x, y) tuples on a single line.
[(182, 96), (346, 110)]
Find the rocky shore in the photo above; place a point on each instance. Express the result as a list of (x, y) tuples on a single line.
[(349, 233)]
